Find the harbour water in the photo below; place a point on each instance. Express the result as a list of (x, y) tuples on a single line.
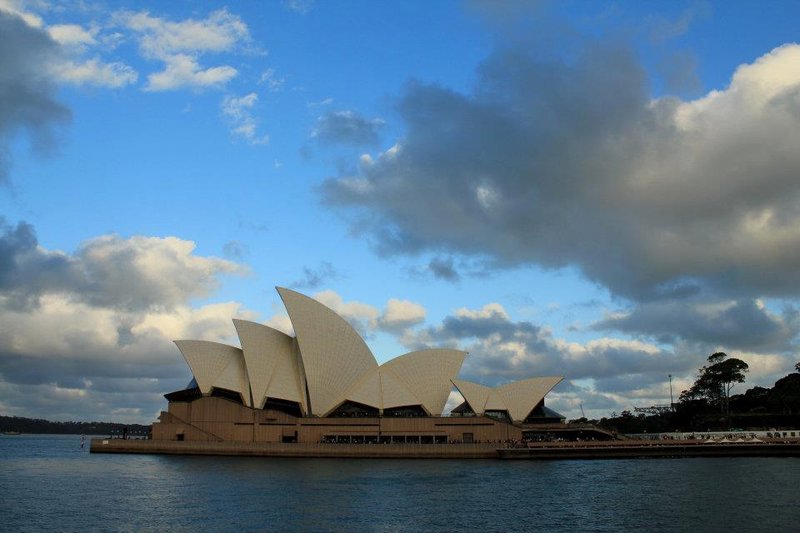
[(50, 483)]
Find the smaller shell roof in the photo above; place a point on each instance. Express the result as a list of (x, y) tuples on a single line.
[(367, 390), (518, 398), (271, 362), (427, 374), (216, 365), (474, 394), (522, 396), (394, 393)]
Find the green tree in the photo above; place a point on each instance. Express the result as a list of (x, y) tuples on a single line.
[(716, 380)]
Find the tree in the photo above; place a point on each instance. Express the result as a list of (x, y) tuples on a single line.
[(715, 381), (787, 392)]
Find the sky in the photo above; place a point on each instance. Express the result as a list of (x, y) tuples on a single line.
[(605, 191)]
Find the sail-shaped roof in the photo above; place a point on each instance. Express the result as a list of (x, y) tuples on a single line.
[(271, 362), (216, 365), (474, 394), (394, 393), (367, 390), (518, 398), (427, 375), (334, 355)]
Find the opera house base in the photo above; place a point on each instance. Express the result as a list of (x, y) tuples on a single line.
[(211, 425)]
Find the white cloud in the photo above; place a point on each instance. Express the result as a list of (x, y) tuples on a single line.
[(184, 71), (400, 314), (273, 82), (487, 196), (490, 310), (145, 271), (239, 108), (67, 63), (72, 35), (95, 72), (321, 103), (239, 112), (160, 38), (180, 44), (17, 7), (358, 314), (281, 322), (299, 6)]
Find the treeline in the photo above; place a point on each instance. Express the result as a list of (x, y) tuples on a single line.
[(17, 424), (758, 408)]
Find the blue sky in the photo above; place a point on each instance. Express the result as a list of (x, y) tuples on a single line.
[(602, 190)]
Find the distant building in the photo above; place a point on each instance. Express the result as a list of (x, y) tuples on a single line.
[(324, 385)]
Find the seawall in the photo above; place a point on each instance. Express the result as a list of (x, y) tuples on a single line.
[(632, 449), (270, 449), (537, 451)]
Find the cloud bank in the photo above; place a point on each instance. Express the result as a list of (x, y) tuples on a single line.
[(571, 163), (89, 333)]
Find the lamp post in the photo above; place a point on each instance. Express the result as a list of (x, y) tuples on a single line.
[(671, 402)]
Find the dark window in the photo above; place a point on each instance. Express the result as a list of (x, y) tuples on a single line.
[(227, 394), (186, 395), (284, 406), (405, 411), (498, 415), (465, 409), (354, 409)]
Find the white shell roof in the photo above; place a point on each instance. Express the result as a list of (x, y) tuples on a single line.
[(522, 396), (394, 393), (216, 365), (474, 394), (368, 390), (334, 355), (427, 374), (271, 362), (518, 397)]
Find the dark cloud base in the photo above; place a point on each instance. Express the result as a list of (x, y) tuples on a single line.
[(27, 92)]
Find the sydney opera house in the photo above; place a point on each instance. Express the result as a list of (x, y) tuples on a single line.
[(324, 385)]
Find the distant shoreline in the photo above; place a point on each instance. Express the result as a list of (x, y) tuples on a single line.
[(9, 425)]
